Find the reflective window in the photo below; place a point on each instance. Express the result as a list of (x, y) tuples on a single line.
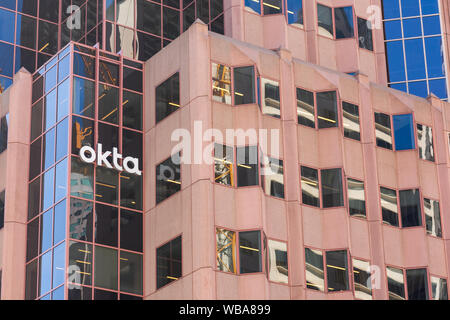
[(253, 6), (356, 198), (106, 185), (344, 22), (432, 217), (131, 191), (337, 270), (48, 189), (59, 224), (226, 250), (6, 63), (31, 280), (325, 20), (310, 186), (327, 109), (396, 283), (45, 270), (250, 252), (83, 97), (6, 24), (389, 208), (81, 220), (410, 208), (295, 12), (221, 77), (62, 137), (108, 103), (168, 262), (331, 183), (383, 130), (34, 198), (167, 97), (63, 99), (83, 65), (305, 108), (171, 23), (106, 225), (3, 133), (404, 132), (350, 113), (132, 110), (132, 79), (131, 230), (82, 179), (223, 165), (439, 290), (247, 166), (105, 272), (26, 32), (277, 266), (365, 36), (59, 267), (244, 85), (80, 263), (79, 293), (82, 134), (271, 6), (35, 158), (273, 177), (168, 178), (270, 97), (148, 17), (2, 208), (361, 279), (314, 269), (131, 272), (425, 142), (417, 284), (61, 180)]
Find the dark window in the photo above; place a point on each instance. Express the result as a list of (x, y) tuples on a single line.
[(404, 132), (109, 73), (171, 23), (274, 177), (396, 283), (432, 217), (356, 198), (105, 272), (36, 121), (389, 209), (81, 220), (344, 22), (168, 178), (332, 195), (4, 133), (305, 108), (244, 85), (168, 97), (33, 198), (132, 79), (131, 191), (82, 179), (383, 130), (310, 186), (410, 208), (130, 272), (295, 12), (188, 16), (48, 37), (131, 230), (365, 34), (146, 46), (108, 104), (350, 113), (80, 259), (2, 208), (104, 295), (79, 293), (168, 262), (49, 10), (327, 109), (83, 97), (271, 6), (26, 32), (132, 145), (35, 159), (361, 279), (106, 225), (132, 110), (314, 269), (247, 166), (337, 270), (439, 289), (417, 284), (325, 20), (31, 280), (250, 252), (148, 17), (108, 136)]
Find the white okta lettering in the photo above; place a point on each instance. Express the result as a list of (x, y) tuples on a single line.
[(88, 155)]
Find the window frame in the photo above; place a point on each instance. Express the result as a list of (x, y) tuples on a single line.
[(430, 275), (155, 99), (423, 197), (358, 34), (333, 19), (179, 235), (156, 178), (433, 137), (353, 276), (342, 101), (259, 99), (266, 258), (347, 204), (263, 166), (405, 280)]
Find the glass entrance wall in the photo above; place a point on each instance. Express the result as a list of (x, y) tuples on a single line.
[(85, 229)]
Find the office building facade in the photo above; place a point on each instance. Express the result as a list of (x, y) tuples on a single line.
[(254, 153)]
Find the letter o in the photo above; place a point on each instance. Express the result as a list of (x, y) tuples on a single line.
[(83, 156)]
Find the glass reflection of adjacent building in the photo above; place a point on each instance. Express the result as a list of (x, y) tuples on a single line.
[(88, 213)]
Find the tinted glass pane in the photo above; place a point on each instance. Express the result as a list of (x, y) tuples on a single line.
[(226, 250), (130, 272), (253, 6), (26, 31), (412, 28), (63, 99), (439, 289), (167, 97), (6, 63), (36, 120), (325, 20), (168, 262), (250, 252), (62, 138), (48, 37), (131, 230), (149, 17), (82, 134), (410, 208), (383, 130), (132, 79), (82, 179), (392, 30), (32, 239), (271, 6), (415, 59), (337, 273), (61, 180), (305, 108), (31, 280), (48, 189), (80, 263), (6, 22), (81, 220), (247, 166), (270, 97), (365, 36), (432, 217), (350, 114), (34, 198), (59, 225), (314, 269), (332, 195), (396, 284), (221, 78), (48, 154), (84, 65), (404, 132), (327, 109), (362, 280), (417, 284), (223, 164), (274, 177), (410, 8), (59, 266), (310, 186), (344, 22), (106, 225), (108, 136), (83, 97), (131, 191), (171, 23), (147, 46), (108, 104), (425, 142), (277, 261), (435, 58), (132, 110), (244, 85), (45, 270), (106, 275), (35, 159), (396, 61), (389, 207), (168, 179), (295, 12), (356, 198), (79, 293)]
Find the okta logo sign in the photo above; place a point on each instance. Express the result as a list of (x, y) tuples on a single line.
[(129, 164)]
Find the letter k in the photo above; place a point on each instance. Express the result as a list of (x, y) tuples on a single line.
[(102, 157)]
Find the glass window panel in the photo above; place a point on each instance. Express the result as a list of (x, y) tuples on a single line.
[(203, 10), (79, 293), (131, 225), (310, 186), (148, 17), (45, 271), (395, 61), (168, 262), (247, 166), (270, 98), (314, 269), (432, 217), (62, 137), (425, 142), (146, 46), (221, 78), (430, 7), (106, 185), (412, 28), (417, 284), (10, 4), (83, 97), (217, 25), (48, 189), (106, 272), (82, 134), (396, 284), (6, 63), (361, 279), (167, 97), (168, 178), (25, 31), (410, 208), (404, 132), (59, 225), (223, 164), (383, 131), (332, 195), (415, 59), (244, 85), (327, 109), (58, 294), (435, 57), (439, 289), (59, 265), (132, 79), (132, 110), (108, 103), (80, 263), (81, 220), (36, 120), (2, 208), (31, 280), (125, 12), (125, 41), (48, 37), (356, 198), (410, 8), (253, 6), (106, 225), (399, 86), (46, 230), (108, 136), (61, 180), (392, 29), (337, 273), (188, 16), (132, 145), (271, 6), (130, 272), (295, 12), (325, 20), (439, 88), (50, 81), (63, 99), (365, 36), (38, 88), (171, 23), (350, 114), (344, 22), (82, 180), (131, 191), (33, 198), (226, 250), (389, 208), (305, 108), (35, 159), (278, 261), (49, 10), (32, 239), (6, 21), (250, 252), (48, 154), (50, 110), (84, 65), (274, 177), (104, 295), (25, 6)]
